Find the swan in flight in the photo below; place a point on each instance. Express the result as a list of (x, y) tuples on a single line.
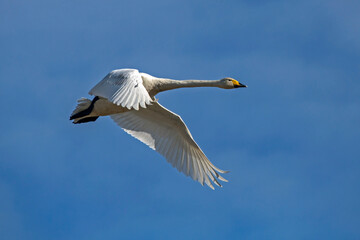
[(128, 97)]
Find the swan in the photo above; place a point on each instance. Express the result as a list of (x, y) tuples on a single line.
[(128, 97)]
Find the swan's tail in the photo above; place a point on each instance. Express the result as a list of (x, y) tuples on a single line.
[(83, 110)]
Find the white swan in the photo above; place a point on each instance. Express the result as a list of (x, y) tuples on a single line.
[(129, 98)]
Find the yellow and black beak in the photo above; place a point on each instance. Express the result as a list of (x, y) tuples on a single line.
[(237, 84)]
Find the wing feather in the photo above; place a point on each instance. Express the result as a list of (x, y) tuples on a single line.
[(198, 169), (165, 132), (123, 87)]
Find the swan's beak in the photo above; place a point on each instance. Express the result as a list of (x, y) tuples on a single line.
[(237, 84)]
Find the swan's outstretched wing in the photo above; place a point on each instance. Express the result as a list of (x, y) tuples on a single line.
[(165, 132), (123, 87)]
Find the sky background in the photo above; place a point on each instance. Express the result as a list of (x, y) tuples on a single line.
[(291, 139)]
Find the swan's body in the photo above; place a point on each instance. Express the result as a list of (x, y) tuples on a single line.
[(128, 97)]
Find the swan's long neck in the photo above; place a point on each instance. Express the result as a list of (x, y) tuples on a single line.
[(168, 84)]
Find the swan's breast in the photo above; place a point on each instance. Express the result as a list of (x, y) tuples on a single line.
[(150, 84)]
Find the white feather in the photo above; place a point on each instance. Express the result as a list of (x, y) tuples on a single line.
[(165, 132), (123, 87)]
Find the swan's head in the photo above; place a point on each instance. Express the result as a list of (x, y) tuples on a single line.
[(230, 83)]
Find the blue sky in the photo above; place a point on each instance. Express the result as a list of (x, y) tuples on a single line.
[(291, 140)]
